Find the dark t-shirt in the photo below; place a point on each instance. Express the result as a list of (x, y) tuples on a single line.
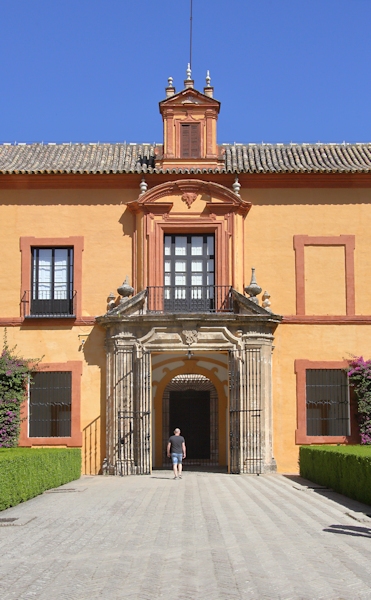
[(176, 442)]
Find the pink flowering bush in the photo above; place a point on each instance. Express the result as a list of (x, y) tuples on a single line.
[(14, 375), (359, 374)]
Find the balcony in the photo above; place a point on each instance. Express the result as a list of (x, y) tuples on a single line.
[(192, 299), (46, 307)]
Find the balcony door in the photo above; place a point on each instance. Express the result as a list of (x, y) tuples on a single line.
[(189, 273), (52, 282)]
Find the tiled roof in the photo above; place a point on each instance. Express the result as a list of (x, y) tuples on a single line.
[(140, 158)]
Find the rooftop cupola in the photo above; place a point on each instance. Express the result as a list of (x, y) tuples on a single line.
[(190, 121)]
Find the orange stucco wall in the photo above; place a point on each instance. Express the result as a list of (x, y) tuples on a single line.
[(264, 240)]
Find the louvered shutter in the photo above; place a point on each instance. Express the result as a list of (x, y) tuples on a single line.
[(190, 140)]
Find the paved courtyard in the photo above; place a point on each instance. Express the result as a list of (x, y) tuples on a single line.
[(209, 535)]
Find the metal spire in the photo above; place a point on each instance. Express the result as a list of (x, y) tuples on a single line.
[(190, 35)]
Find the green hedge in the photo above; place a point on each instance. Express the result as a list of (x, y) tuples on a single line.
[(27, 472), (345, 469)]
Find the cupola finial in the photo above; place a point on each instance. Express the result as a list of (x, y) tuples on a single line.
[(170, 90), (188, 83), (208, 89)]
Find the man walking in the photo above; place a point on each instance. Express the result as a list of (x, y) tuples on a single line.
[(176, 448)]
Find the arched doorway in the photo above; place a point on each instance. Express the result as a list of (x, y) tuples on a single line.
[(190, 402)]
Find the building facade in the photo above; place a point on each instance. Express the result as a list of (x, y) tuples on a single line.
[(246, 288)]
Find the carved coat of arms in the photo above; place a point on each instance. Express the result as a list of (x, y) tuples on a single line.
[(189, 198), (190, 336)]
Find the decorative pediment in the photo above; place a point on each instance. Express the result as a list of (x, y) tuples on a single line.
[(126, 307), (220, 200), (189, 96), (132, 307), (245, 306)]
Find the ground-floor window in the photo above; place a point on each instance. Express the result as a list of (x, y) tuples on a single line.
[(50, 404), (327, 402), (325, 409)]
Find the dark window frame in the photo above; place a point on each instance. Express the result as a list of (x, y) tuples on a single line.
[(50, 404), (327, 402), (51, 306), (196, 297), (301, 437)]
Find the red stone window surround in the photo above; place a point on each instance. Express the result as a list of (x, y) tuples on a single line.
[(77, 242), (348, 241), (75, 367), (301, 437)]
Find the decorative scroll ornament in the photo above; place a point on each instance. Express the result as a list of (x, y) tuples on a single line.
[(190, 336), (266, 302), (189, 198), (253, 289), (111, 301)]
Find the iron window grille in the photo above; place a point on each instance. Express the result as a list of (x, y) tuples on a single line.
[(327, 402), (50, 404), (52, 291)]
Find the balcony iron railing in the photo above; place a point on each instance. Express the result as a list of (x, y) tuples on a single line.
[(192, 299), (44, 306)]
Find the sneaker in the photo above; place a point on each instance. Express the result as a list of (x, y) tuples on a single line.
[(180, 476), (175, 478)]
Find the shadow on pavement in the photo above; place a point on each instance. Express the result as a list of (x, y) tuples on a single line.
[(364, 532), (322, 490)]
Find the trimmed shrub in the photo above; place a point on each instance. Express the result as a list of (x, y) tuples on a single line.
[(28, 472), (345, 469)]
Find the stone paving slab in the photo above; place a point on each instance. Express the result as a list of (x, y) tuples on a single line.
[(208, 536)]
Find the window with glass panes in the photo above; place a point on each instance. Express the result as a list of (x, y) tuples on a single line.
[(189, 272), (52, 281)]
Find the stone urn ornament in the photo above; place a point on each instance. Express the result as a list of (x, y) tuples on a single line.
[(253, 289), (125, 290)]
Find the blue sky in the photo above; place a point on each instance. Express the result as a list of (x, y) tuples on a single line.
[(88, 70)]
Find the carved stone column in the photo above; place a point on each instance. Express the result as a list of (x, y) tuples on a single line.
[(256, 404), (120, 404)]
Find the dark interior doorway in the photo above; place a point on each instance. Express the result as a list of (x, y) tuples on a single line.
[(190, 411)]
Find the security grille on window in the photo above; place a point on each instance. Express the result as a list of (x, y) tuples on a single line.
[(327, 402), (52, 281), (50, 404)]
